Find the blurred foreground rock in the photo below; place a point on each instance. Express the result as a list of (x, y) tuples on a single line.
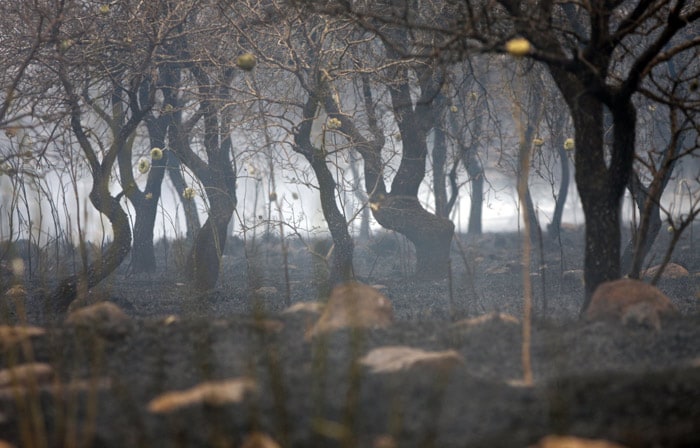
[(401, 358), (353, 305), (106, 318), (211, 393), (574, 442), (13, 335)]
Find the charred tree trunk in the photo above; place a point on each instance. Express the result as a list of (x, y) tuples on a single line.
[(80, 283), (143, 257), (204, 260), (601, 188), (647, 200), (342, 262), (476, 176), (192, 222), (645, 234), (439, 161), (362, 196), (430, 234), (342, 269), (554, 227)]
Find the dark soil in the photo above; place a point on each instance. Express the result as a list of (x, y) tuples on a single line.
[(630, 384)]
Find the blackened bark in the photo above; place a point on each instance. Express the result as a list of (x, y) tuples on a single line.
[(143, 257), (204, 260), (554, 227), (430, 234), (188, 205), (80, 283), (476, 176), (342, 269), (602, 232), (439, 157), (342, 262), (601, 188), (644, 235)]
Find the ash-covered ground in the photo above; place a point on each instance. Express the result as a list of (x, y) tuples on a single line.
[(628, 384)]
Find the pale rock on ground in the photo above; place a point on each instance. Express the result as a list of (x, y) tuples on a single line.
[(353, 305), (630, 301)]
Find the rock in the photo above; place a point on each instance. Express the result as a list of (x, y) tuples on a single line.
[(671, 271), (494, 317), (353, 305), (304, 307), (630, 301), (554, 441), (384, 441), (259, 440), (266, 292), (12, 335), (402, 358), (212, 393), (25, 374), (105, 317)]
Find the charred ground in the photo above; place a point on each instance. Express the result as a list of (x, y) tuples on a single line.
[(628, 384)]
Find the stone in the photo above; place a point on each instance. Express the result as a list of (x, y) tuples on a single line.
[(259, 440), (13, 335), (671, 271), (304, 307), (630, 301), (105, 317), (353, 305), (403, 358), (211, 393), (494, 317), (26, 374), (556, 441)]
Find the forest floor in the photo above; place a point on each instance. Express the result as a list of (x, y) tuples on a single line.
[(628, 384)]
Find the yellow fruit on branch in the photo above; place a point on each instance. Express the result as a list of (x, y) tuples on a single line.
[(246, 61), (518, 46)]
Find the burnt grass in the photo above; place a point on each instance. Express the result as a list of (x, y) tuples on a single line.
[(627, 384)]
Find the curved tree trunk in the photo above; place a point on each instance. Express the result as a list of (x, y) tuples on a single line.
[(342, 269), (645, 234), (342, 265), (79, 284), (204, 260), (554, 227), (192, 222), (430, 234)]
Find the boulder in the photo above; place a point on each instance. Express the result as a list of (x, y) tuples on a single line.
[(13, 335), (671, 271), (259, 440), (402, 359), (353, 305), (210, 393), (104, 317), (26, 374), (556, 441), (629, 301)]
